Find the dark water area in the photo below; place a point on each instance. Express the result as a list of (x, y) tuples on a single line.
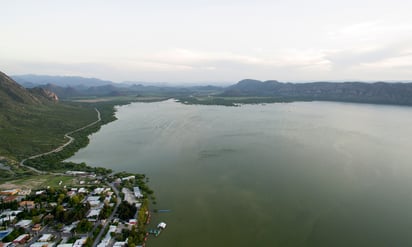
[(295, 174)]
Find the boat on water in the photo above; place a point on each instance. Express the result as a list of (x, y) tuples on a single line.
[(161, 225)]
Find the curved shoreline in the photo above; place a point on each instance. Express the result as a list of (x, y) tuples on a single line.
[(61, 147)]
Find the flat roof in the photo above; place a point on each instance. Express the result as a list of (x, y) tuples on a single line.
[(65, 245), (46, 237), (24, 223), (21, 237)]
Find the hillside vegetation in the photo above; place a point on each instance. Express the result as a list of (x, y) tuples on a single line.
[(34, 121)]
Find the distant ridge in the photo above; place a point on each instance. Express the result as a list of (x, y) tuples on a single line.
[(66, 87), (62, 81), (378, 92)]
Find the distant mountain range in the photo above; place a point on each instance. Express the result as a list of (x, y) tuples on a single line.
[(30, 81), (75, 86), (378, 92)]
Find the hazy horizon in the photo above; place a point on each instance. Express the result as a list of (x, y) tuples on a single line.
[(204, 83), (209, 41)]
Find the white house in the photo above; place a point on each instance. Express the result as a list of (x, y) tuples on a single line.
[(137, 193)]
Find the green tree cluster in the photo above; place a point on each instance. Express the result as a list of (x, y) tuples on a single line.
[(126, 211), (84, 226)]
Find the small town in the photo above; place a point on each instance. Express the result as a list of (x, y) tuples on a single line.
[(99, 211)]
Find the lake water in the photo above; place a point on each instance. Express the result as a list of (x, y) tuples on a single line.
[(295, 174)]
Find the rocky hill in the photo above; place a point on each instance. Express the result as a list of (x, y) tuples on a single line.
[(11, 94)]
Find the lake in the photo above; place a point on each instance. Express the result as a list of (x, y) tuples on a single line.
[(286, 174)]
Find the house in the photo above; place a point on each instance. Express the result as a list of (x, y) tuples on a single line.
[(71, 193), (137, 193), (119, 244), (80, 242), (93, 198), (10, 199), (128, 178), (22, 239), (45, 238), (25, 192), (76, 173), (94, 201), (82, 190), (93, 214), (65, 245), (69, 228), (43, 244), (8, 216), (24, 223), (9, 192), (98, 191), (36, 228), (27, 204)]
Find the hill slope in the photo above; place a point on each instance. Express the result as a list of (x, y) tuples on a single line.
[(31, 122), (12, 93)]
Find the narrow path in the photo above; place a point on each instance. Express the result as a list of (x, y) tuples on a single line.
[(60, 148)]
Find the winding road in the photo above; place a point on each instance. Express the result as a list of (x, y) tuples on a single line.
[(58, 149)]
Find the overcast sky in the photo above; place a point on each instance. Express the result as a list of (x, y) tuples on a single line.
[(208, 41)]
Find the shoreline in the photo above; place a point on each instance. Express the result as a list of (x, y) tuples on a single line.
[(104, 174)]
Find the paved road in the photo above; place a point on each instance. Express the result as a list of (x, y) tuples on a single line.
[(118, 200), (58, 149)]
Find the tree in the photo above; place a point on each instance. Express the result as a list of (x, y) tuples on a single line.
[(84, 226), (89, 242), (74, 200), (60, 198), (126, 210), (105, 212), (36, 219)]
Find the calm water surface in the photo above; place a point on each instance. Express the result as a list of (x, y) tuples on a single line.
[(297, 174)]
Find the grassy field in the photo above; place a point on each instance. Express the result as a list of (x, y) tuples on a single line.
[(39, 181)]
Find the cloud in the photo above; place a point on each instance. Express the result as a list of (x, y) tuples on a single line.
[(372, 30), (363, 63), (402, 61), (202, 60), (391, 55)]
